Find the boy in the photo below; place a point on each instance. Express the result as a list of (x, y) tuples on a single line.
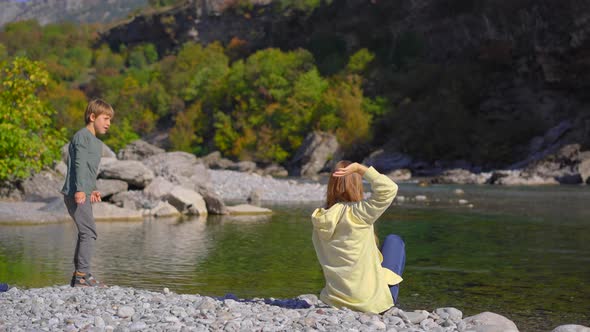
[(79, 189)]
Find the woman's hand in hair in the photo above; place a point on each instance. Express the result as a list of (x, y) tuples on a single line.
[(352, 168)]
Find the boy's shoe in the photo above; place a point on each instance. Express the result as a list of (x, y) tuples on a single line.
[(80, 279)]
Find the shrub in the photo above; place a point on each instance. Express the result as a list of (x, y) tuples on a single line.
[(28, 140)]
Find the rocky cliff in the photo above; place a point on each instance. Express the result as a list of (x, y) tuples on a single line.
[(83, 11), (491, 82)]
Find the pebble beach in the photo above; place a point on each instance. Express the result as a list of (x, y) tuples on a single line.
[(62, 308)]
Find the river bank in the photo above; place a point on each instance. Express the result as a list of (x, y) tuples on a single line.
[(129, 309)]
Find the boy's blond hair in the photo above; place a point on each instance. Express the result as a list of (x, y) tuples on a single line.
[(98, 107)]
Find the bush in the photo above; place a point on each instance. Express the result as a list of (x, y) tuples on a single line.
[(22, 113)]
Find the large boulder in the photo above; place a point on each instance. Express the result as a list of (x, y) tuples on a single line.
[(158, 188), (386, 161), (108, 187), (571, 328), (139, 150), (489, 322), (133, 200), (179, 167), (214, 160), (163, 209), (9, 190), (313, 154), (106, 211), (131, 171), (187, 201), (213, 201), (561, 165), (43, 185)]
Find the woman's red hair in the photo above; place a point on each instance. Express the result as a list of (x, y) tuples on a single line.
[(347, 188)]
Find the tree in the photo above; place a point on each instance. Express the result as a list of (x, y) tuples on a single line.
[(188, 124), (28, 140)]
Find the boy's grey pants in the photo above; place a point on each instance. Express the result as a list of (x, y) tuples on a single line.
[(84, 220)]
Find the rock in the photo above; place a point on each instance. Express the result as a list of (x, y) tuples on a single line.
[(243, 166), (138, 150), (385, 161), (138, 326), (125, 311), (255, 197), (106, 211), (571, 328), (164, 209), (561, 166), (133, 200), (158, 188), (33, 213), (131, 171), (519, 178), (311, 299), (416, 317), (44, 184), (313, 154), (403, 174), (9, 190), (452, 313), (108, 187), (61, 168), (274, 170), (180, 168), (187, 201), (584, 171), (215, 161), (247, 209), (55, 205), (421, 198), (489, 322), (170, 163), (461, 176), (459, 192), (213, 202)]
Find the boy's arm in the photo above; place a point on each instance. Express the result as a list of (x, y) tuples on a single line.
[(80, 164)]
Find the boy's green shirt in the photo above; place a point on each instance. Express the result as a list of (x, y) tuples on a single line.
[(85, 151)]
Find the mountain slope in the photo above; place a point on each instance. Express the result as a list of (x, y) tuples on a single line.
[(82, 11)]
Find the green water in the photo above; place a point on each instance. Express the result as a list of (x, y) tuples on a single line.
[(519, 252)]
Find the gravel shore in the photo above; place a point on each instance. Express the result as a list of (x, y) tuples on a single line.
[(233, 185), (126, 309)]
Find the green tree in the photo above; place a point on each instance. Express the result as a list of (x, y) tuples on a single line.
[(359, 61), (184, 135), (198, 72), (28, 140), (269, 101), (120, 134)]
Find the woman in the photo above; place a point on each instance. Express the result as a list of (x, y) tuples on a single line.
[(345, 242)]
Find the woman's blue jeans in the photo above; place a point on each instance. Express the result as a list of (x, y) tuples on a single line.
[(394, 258)]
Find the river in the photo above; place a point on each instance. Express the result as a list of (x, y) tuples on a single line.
[(520, 252)]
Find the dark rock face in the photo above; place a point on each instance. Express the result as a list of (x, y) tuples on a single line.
[(530, 60), (197, 22)]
